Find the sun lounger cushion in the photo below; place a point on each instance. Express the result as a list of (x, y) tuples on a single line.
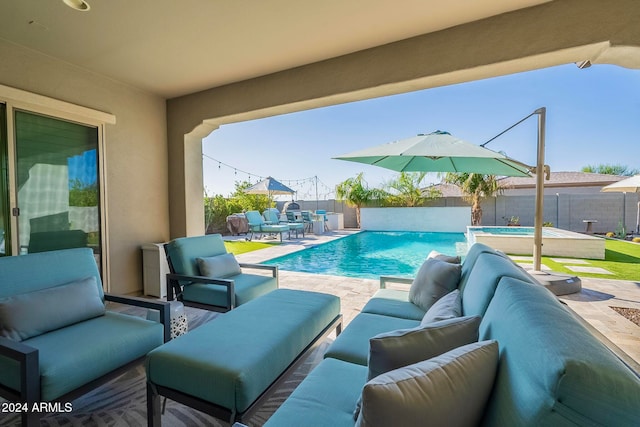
[(395, 349), (394, 303), (30, 314), (449, 390), (352, 345), (221, 266), (434, 279), (442, 257)]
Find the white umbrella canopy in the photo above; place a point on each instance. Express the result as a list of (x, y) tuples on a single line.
[(270, 187), (438, 152), (629, 185)]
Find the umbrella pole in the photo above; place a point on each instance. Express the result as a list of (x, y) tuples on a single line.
[(638, 220), (540, 172)]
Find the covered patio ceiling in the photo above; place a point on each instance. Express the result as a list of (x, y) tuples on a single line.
[(174, 48)]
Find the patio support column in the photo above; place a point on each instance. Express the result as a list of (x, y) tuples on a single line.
[(186, 187)]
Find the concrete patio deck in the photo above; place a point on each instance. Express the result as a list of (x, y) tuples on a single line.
[(593, 304)]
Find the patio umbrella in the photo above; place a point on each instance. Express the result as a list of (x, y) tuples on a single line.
[(438, 152), (441, 152), (629, 185), (270, 187)]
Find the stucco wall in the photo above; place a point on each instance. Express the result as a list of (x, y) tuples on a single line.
[(135, 150), (451, 220)]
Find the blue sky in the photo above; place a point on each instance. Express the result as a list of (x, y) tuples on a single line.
[(593, 117)]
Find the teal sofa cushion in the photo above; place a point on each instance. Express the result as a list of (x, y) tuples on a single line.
[(395, 349), (449, 390), (47, 269), (231, 360), (352, 345), (394, 303), (482, 281), (552, 370), (220, 266), (247, 287), (34, 313), (434, 279), (73, 356), (326, 397)]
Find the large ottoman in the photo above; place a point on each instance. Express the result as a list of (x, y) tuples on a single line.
[(223, 367)]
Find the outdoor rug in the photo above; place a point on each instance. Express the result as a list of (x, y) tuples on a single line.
[(122, 401)]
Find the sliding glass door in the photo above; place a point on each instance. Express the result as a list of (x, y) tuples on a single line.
[(57, 184)]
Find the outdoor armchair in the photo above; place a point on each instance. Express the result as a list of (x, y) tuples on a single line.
[(58, 338), (204, 275)]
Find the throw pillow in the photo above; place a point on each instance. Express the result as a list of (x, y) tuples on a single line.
[(434, 279), (220, 266), (442, 257), (449, 390), (392, 350), (447, 307), (34, 313)]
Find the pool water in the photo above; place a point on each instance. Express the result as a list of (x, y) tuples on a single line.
[(370, 254)]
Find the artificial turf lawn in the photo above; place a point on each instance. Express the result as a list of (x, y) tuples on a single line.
[(621, 258), (237, 247)]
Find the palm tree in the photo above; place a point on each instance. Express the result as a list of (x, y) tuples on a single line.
[(355, 192), (407, 190), (475, 187)]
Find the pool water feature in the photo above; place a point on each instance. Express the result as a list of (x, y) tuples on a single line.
[(370, 254), (555, 241)]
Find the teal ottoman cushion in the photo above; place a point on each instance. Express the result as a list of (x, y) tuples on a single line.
[(326, 398), (563, 376), (80, 353), (394, 303), (352, 345), (231, 360)]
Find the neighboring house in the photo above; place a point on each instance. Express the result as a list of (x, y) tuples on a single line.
[(559, 182), (146, 81)]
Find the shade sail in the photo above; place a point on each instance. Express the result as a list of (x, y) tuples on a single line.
[(438, 152)]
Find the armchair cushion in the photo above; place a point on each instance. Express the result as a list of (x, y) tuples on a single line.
[(434, 279), (221, 266), (395, 349), (28, 315), (451, 389)]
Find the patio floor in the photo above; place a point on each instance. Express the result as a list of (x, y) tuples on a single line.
[(593, 304)]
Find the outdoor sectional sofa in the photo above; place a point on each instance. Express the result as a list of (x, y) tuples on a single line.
[(57, 339), (538, 365)]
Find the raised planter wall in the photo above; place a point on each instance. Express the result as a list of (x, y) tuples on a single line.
[(443, 219)]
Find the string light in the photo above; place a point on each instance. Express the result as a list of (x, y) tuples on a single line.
[(306, 188)]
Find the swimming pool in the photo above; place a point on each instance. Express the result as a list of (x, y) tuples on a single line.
[(370, 254)]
